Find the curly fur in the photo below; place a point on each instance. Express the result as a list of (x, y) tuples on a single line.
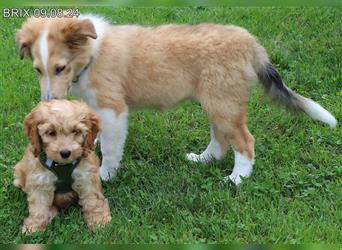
[(53, 126)]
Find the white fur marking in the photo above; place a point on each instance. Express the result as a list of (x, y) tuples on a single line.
[(79, 174), (113, 138), (82, 88), (317, 112), (213, 150), (44, 49), (44, 178), (243, 167), (100, 25), (114, 128), (44, 55)]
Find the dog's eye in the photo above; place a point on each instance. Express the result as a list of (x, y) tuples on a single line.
[(59, 70), (51, 133), (38, 70)]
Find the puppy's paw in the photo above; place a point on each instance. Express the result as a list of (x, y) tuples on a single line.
[(29, 229), (52, 213), (193, 157), (107, 173), (30, 226), (198, 158), (38, 222), (98, 220), (18, 183), (98, 213), (101, 220), (235, 178)]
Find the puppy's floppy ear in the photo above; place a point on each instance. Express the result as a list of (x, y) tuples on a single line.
[(93, 123), (76, 33), (31, 129), (24, 42)]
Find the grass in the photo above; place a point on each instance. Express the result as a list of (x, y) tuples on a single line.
[(294, 194)]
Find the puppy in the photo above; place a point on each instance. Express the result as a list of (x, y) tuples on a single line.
[(60, 165), (114, 68)]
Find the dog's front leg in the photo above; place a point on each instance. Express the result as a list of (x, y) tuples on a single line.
[(113, 136), (41, 210), (94, 205)]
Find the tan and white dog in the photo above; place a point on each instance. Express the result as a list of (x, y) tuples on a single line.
[(114, 68)]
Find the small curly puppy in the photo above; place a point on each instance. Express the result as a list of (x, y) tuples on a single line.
[(60, 165)]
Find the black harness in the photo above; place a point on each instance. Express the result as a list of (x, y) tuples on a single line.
[(63, 172)]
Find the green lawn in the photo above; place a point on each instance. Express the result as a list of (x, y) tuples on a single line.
[(294, 194)]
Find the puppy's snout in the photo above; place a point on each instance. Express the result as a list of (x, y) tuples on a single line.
[(65, 153)]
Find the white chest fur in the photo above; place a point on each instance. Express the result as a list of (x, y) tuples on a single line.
[(82, 88), (114, 125)]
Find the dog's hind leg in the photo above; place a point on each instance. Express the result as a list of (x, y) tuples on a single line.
[(19, 175), (230, 127), (243, 145), (242, 141), (223, 92), (216, 149)]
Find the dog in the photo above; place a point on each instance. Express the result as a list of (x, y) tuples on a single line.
[(115, 68), (60, 166)]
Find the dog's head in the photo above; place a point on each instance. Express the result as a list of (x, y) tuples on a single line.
[(59, 49), (65, 130)]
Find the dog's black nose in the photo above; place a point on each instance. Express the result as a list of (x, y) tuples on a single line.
[(65, 153)]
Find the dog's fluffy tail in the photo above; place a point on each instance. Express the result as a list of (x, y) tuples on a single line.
[(279, 92)]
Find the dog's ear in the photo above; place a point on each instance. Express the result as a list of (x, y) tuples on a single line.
[(24, 42), (31, 129), (93, 123), (76, 33)]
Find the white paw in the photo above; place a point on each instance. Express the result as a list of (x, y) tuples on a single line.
[(193, 157), (198, 158), (235, 178), (107, 174)]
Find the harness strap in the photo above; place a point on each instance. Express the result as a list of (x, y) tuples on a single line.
[(63, 172)]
